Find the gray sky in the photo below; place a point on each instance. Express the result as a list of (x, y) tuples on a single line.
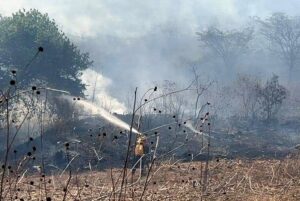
[(136, 17), (137, 43)]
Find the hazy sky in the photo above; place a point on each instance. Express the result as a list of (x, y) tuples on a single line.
[(138, 42), (135, 17)]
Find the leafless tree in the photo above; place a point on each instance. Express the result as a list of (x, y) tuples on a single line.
[(246, 89), (283, 34), (199, 87), (227, 45)]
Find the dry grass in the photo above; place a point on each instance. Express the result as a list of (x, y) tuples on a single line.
[(228, 180)]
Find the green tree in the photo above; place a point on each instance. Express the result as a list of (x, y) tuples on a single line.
[(271, 97), (58, 64)]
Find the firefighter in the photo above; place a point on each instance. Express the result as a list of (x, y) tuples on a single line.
[(139, 153), (139, 147)]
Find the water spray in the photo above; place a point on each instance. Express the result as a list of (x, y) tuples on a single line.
[(99, 111)]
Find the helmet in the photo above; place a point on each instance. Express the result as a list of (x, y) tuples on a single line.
[(141, 139)]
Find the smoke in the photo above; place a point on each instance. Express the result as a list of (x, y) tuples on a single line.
[(134, 18), (96, 91), (137, 43)]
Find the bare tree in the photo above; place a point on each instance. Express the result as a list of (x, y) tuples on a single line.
[(246, 89), (227, 45), (283, 33), (199, 88), (172, 104)]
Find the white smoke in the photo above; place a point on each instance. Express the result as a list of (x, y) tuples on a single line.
[(96, 91)]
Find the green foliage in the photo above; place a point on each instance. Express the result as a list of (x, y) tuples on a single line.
[(59, 65)]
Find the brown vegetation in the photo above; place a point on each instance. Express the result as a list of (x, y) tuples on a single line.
[(228, 180)]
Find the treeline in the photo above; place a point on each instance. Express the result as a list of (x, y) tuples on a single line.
[(263, 45)]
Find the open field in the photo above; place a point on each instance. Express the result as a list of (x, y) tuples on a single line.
[(174, 106), (228, 180)]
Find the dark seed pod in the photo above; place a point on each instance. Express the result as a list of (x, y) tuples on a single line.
[(12, 82), (33, 88), (41, 49)]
